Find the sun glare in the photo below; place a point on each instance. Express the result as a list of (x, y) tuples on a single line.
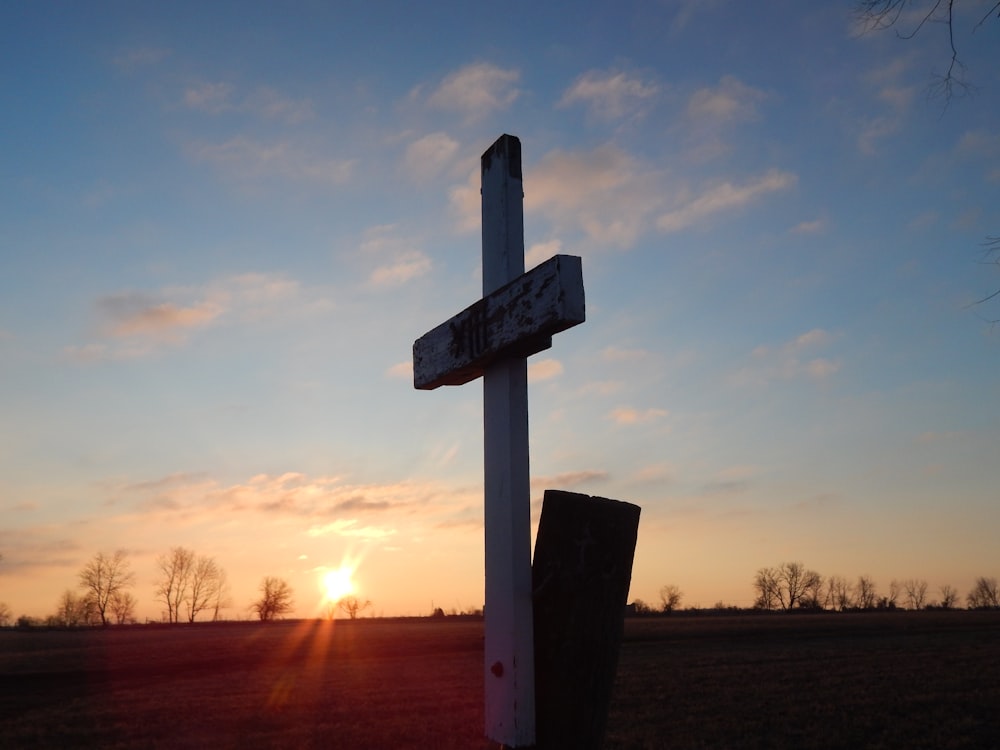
[(337, 583)]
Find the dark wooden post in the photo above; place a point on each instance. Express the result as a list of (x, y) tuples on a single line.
[(580, 576)]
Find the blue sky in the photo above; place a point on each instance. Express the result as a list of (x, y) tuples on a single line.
[(222, 226)]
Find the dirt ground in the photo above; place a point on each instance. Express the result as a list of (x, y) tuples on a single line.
[(880, 680)]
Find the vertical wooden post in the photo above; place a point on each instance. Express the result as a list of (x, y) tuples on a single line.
[(581, 575), (509, 652)]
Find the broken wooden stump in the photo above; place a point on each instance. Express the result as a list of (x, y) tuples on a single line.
[(580, 578)]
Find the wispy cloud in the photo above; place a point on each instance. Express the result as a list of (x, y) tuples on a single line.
[(600, 388), (605, 192), (319, 505), (544, 369), (243, 158), (350, 528), (609, 95), (932, 436), (408, 265), (655, 473), (609, 196), (140, 57), (475, 91), (397, 260), (729, 102), (712, 114), (218, 97), (622, 354), (568, 479), (723, 198), (429, 156), (137, 314), (541, 252), (790, 360), (809, 227), (686, 10), (401, 370), (626, 415), (137, 323), (895, 97), (728, 482)]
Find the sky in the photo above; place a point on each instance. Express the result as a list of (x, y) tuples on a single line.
[(223, 225)]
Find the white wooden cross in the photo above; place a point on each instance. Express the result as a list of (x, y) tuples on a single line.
[(516, 317)]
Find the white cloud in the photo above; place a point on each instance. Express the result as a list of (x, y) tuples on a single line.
[(135, 314), (399, 260), (611, 197), (723, 197), (427, 157), (465, 203), (609, 95), (605, 192), (401, 370), (407, 266), (476, 90), (541, 252), (544, 369)]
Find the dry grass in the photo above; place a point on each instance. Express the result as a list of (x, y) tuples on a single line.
[(820, 681)]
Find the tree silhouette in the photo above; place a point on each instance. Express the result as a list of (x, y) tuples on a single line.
[(204, 586), (949, 596), (175, 570), (353, 606), (275, 599), (670, 597), (104, 577), (876, 15), (985, 594), (916, 593), (788, 586)]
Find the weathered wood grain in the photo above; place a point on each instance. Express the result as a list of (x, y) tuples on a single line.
[(517, 320)]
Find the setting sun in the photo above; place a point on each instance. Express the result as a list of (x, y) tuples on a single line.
[(337, 583)]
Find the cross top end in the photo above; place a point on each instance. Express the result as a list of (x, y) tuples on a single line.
[(507, 148)]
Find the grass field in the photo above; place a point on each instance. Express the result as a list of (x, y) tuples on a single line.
[(892, 680)]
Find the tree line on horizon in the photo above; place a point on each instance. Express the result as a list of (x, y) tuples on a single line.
[(187, 584), (190, 585), (792, 586)]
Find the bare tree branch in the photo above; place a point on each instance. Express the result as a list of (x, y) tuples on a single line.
[(878, 15)]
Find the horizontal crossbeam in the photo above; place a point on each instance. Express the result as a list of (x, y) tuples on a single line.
[(517, 320)]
